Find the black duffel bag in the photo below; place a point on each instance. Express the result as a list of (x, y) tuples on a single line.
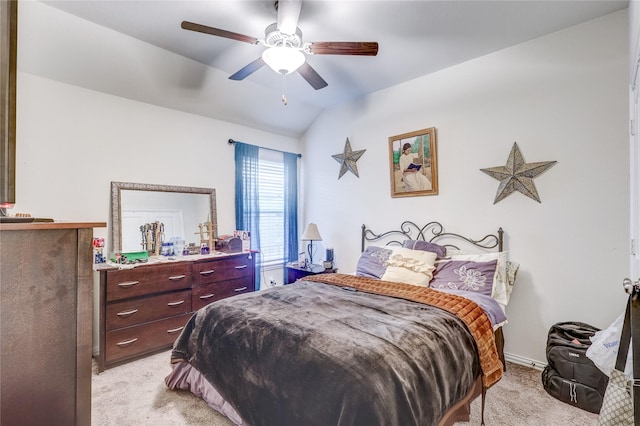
[(570, 375)]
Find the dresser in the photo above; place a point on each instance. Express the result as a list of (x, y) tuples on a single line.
[(46, 308), (144, 309)]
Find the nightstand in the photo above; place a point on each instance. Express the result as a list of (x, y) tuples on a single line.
[(295, 272)]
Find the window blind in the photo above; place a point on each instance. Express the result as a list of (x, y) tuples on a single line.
[(271, 206)]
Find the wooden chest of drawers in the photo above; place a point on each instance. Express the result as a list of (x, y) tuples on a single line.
[(144, 309), (46, 310), (217, 279)]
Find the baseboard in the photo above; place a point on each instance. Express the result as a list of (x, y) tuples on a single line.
[(517, 359)]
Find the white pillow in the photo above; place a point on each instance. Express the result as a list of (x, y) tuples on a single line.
[(410, 266), (500, 286)]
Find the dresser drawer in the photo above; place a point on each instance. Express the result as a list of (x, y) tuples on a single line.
[(122, 284), (221, 269), (140, 339), (205, 294), (130, 312)]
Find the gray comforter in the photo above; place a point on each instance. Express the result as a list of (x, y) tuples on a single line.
[(317, 354)]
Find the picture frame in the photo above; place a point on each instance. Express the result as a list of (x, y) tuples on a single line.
[(420, 176)]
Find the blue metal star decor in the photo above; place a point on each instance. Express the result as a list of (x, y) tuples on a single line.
[(348, 159), (517, 175)]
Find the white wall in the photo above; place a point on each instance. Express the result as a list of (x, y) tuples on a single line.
[(72, 142), (562, 97)]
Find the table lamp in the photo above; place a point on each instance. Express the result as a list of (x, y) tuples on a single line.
[(311, 234)]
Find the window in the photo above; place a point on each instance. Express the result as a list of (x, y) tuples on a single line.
[(267, 203), (271, 206)]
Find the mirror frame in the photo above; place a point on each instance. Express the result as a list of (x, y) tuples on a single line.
[(116, 208), (8, 77)]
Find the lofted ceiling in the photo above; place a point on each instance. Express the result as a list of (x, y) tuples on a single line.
[(415, 38)]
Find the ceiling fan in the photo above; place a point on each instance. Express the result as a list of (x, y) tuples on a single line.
[(285, 51)]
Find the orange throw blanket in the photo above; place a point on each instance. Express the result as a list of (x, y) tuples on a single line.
[(468, 311)]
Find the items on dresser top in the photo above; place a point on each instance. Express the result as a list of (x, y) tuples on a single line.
[(143, 307), (127, 260)]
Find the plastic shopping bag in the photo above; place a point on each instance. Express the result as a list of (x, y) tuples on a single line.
[(604, 349)]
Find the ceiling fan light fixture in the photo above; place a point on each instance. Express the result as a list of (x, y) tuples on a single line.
[(283, 59)]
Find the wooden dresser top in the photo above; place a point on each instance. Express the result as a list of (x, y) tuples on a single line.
[(36, 226)]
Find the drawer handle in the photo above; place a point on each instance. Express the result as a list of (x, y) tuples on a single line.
[(241, 267), (207, 296), (128, 284), (175, 303), (240, 289), (127, 313), (175, 330), (209, 272), (127, 342), (177, 277)]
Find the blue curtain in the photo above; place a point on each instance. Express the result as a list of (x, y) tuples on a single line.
[(247, 207), (290, 208)]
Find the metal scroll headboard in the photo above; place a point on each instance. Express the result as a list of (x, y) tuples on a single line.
[(431, 232)]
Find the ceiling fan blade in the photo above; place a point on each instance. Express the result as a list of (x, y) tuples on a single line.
[(248, 70), (362, 48), (192, 26), (288, 15), (312, 77)]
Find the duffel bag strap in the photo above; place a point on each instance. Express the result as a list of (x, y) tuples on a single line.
[(635, 338), (625, 338)]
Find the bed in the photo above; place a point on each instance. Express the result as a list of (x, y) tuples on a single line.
[(378, 347)]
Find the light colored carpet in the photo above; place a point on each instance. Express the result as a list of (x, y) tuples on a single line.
[(135, 394)]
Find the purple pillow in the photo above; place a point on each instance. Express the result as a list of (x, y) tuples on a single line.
[(465, 275), (439, 250), (373, 262)]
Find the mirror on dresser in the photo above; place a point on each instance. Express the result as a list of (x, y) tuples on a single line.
[(181, 209), (143, 307)]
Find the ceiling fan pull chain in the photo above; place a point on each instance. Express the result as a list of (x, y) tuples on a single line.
[(284, 89)]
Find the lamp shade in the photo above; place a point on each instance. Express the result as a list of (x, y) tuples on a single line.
[(311, 233), (283, 59)]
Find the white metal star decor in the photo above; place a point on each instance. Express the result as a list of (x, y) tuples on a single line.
[(348, 159), (517, 175)]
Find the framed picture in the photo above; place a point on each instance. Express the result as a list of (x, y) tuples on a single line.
[(413, 163)]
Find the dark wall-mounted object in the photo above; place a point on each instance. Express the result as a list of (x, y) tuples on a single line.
[(8, 55), (329, 255)]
